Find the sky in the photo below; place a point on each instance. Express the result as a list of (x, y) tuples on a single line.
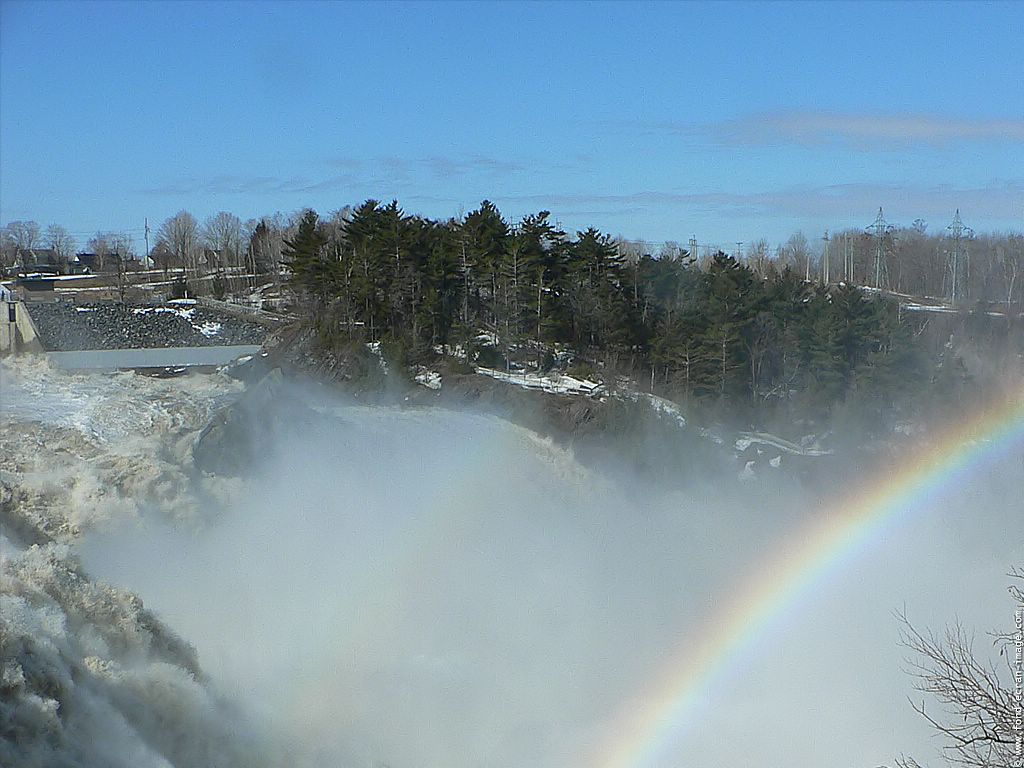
[(726, 122)]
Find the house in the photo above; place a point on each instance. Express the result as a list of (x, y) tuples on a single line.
[(85, 263), (39, 260)]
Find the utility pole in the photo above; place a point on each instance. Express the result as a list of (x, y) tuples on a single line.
[(148, 264), (959, 232), (739, 250), (824, 261)]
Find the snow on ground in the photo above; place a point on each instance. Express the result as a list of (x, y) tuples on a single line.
[(555, 383), (667, 408), (457, 351), (428, 378), (746, 439), (59, 278), (375, 349), (928, 308), (660, 405), (183, 308), (186, 313)]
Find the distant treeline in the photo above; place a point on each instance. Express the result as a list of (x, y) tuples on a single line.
[(762, 332), (717, 330)]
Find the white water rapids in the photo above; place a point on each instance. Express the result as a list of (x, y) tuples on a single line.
[(424, 588)]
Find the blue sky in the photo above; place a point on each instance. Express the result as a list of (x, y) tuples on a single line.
[(724, 121)]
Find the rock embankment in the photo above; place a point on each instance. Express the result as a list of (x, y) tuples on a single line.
[(64, 327)]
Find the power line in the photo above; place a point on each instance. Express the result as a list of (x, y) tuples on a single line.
[(959, 232), (880, 228)]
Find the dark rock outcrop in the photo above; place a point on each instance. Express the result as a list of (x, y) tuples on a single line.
[(242, 433)]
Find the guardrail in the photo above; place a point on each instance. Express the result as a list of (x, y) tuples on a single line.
[(252, 314)]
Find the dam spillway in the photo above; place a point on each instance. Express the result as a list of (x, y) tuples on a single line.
[(113, 336)]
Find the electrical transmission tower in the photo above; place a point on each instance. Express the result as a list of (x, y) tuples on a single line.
[(879, 229), (824, 260), (959, 255)]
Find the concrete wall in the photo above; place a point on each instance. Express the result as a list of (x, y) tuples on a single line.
[(19, 335), (163, 357)]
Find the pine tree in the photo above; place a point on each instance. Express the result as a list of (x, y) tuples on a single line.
[(311, 274)]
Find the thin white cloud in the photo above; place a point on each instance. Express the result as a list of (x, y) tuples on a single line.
[(860, 131), (393, 172), (1003, 200), (226, 184)]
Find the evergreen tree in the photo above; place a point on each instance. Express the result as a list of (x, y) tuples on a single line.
[(311, 274)]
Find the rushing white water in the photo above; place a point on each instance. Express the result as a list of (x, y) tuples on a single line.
[(428, 588)]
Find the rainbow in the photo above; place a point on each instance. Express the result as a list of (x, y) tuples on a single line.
[(654, 719)]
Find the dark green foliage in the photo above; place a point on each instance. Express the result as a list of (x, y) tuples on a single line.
[(313, 276), (751, 343)]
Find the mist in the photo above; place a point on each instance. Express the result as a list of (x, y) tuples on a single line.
[(426, 587)]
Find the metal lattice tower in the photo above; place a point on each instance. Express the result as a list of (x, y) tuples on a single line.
[(958, 233), (824, 261), (879, 229)]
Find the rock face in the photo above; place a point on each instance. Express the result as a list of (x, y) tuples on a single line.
[(240, 433), (64, 327)]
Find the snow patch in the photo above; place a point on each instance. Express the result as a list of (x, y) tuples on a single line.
[(666, 408), (810, 447), (208, 329), (428, 378), (185, 313), (556, 384), (375, 349)]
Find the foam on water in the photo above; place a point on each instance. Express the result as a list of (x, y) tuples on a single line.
[(428, 588)]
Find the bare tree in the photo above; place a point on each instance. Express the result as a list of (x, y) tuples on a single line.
[(101, 244), (25, 234), (62, 243), (1012, 258), (20, 236), (796, 253), (977, 712), (222, 233), (162, 256), (123, 250), (8, 249), (180, 234)]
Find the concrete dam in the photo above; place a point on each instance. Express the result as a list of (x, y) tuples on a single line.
[(177, 334)]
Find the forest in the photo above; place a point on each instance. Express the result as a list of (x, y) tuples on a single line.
[(797, 331), (754, 339)]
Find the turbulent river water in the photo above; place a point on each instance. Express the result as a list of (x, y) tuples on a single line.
[(418, 587)]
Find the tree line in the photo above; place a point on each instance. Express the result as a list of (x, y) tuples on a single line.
[(744, 330), (715, 328), (986, 268)]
